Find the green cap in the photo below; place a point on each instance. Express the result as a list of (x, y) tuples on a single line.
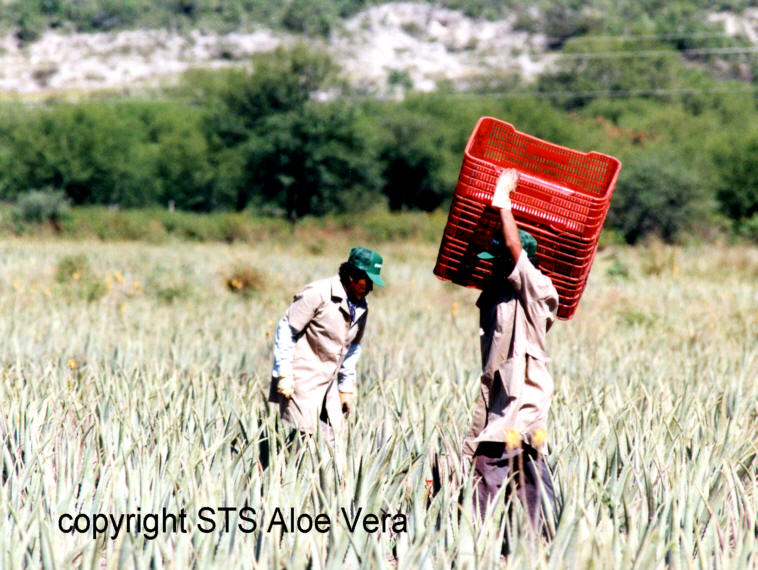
[(368, 261), (528, 244)]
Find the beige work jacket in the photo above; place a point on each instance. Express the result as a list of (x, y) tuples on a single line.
[(322, 316), (516, 386)]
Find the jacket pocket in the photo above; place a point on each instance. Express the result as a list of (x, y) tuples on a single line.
[(510, 373), (538, 392)]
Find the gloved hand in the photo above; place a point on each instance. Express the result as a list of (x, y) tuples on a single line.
[(285, 386), (506, 183), (346, 399)]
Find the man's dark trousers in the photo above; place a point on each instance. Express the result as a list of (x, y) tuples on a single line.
[(524, 472)]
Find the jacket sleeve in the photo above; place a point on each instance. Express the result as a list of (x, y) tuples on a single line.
[(303, 308), (346, 374), (284, 348), (539, 297)]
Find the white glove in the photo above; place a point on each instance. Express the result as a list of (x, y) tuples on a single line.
[(506, 183), (285, 386)]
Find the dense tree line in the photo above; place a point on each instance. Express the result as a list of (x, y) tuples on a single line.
[(270, 141)]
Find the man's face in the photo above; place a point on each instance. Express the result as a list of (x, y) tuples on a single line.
[(357, 289)]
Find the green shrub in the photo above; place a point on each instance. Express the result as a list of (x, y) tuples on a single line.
[(72, 268), (315, 160), (311, 17), (737, 163), (658, 194), (77, 279), (116, 224), (169, 286), (42, 206), (245, 280), (235, 227), (577, 79), (413, 158), (92, 289), (749, 228), (168, 293), (130, 154), (383, 226), (618, 270)]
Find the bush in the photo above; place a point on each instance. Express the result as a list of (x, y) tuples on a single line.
[(235, 227), (116, 224), (266, 138), (315, 160), (413, 157), (737, 163), (383, 226), (169, 286), (42, 206), (311, 17), (749, 228), (71, 268), (245, 280), (130, 154), (74, 274), (658, 194), (92, 289), (170, 292), (577, 80)]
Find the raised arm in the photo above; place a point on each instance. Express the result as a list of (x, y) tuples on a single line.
[(510, 234), (501, 200)]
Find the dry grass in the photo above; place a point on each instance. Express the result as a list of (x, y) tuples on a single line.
[(127, 402)]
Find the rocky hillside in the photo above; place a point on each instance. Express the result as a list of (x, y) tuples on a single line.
[(401, 44), (384, 49)]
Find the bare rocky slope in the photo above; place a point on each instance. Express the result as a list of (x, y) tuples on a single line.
[(383, 49), (406, 44)]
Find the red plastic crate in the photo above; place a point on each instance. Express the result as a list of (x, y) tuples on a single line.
[(562, 198), (572, 212)]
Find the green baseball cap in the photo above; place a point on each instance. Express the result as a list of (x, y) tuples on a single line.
[(368, 261), (528, 244)]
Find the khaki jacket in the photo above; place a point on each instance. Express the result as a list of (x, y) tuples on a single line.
[(516, 386), (321, 315)]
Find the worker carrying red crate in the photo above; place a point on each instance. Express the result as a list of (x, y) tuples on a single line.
[(507, 440), (523, 227), (561, 198)]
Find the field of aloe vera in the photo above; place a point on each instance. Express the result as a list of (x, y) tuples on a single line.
[(133, 390)]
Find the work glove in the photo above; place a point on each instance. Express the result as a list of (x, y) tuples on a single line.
[(506, 183), (346, 399), (285, 386)]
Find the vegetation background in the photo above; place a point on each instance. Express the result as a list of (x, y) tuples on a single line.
[(662, 87), (150, 243)]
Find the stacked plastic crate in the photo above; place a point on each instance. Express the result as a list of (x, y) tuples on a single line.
[(562, 199)]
